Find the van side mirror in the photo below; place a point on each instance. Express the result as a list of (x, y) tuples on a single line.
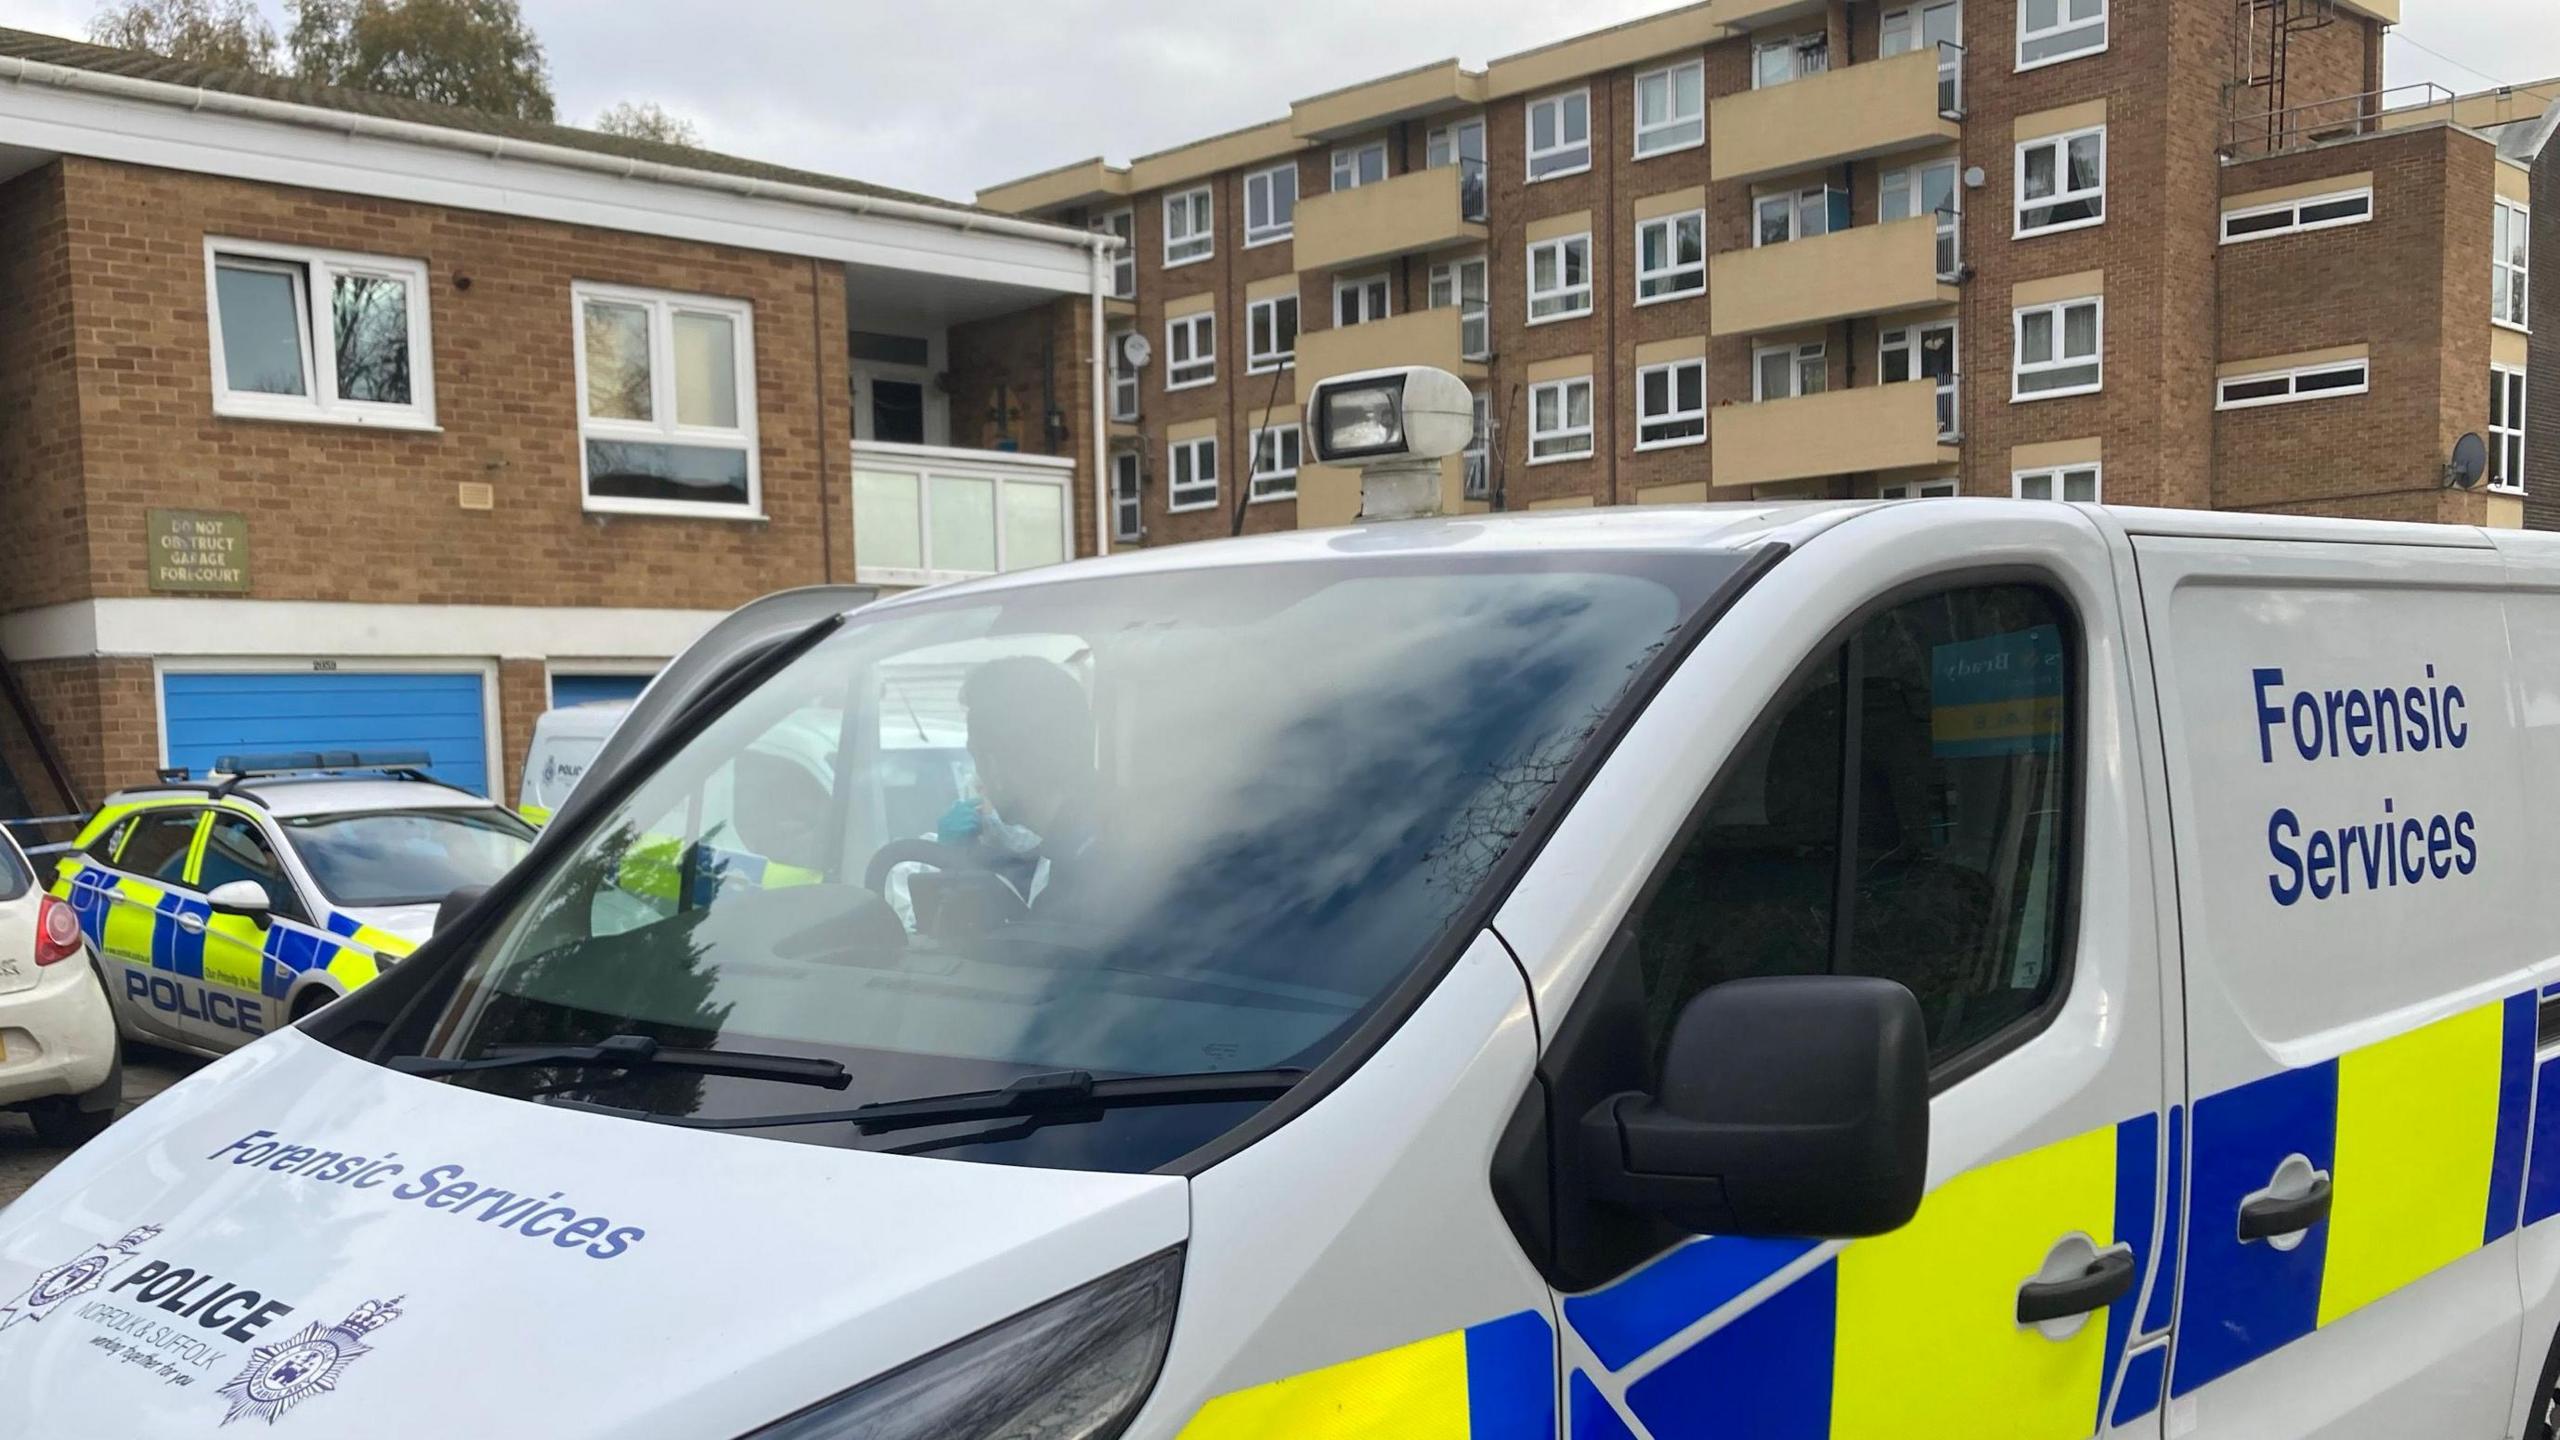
[(1794, 1106), (241, 900)]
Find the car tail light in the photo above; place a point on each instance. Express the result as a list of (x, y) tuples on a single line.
[(57, 932)]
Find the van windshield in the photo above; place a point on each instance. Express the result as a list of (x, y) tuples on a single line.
[(1146, 825)]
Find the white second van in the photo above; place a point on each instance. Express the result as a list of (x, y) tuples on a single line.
[(1928, 970)]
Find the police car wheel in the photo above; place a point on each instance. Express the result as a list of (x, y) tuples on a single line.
[(2542, 1422), (309, 1001), (60, 1122)]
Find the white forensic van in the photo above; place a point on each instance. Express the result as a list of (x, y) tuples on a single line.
[(1923, 970)]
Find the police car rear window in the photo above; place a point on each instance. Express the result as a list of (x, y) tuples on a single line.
[(14, 876)]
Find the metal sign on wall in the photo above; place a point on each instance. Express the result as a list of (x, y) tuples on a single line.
[(200, 551)]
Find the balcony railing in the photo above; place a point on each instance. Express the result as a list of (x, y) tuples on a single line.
[(2248, 133), (923, 514), (1852, 113), (1869, 429), (1866, 270), (1409, 213)]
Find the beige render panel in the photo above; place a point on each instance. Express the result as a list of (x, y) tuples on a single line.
[(1190, 305), (1272, 287), (1417, 337), (1752, 14), (1686, 347), (1690, 493), (1671, 202), (1191, 430), (2514, 182), (1084, 182), (2506, 512), (2264, 364), (1567, 368), (2386, 11), (2078, 285), (1562, 502), (2277, 195), (2508, 347), (1201, 158), (2035, 125), (1416, 211), (1851, 113), (1691, 27), (1423, 90), (1838, 432), (1557, 227), (2051, 453), (1868, 270)]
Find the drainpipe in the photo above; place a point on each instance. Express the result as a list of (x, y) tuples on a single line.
[(1098, 383), (36, 736)]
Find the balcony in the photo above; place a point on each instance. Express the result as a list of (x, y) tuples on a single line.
[(1418, 211), (1854, 113), (923, 514), (1873, 428), (1418, 337), (1869, 270), (1755, 14)]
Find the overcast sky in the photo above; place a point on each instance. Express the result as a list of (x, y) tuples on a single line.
[(950, 96)]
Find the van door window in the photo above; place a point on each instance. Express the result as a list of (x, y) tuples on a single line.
[(1939, 798)]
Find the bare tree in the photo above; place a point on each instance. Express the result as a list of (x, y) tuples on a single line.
[(647, 120), (478, 54)]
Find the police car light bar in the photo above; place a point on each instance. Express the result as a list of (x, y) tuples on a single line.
[(294, 761)]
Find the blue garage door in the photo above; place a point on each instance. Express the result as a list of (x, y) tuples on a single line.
[(584, 689), (216, 714)]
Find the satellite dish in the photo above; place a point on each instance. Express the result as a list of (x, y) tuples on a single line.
[(1135, 352), (2469, 463), (1974, 178)]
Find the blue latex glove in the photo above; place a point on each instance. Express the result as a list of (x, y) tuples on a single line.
[(960, 824)]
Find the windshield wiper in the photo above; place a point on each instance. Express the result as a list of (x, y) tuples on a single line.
[(1055, 1094), (628, 1052)]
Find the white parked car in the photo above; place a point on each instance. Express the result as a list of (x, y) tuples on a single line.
[(58, 1056)]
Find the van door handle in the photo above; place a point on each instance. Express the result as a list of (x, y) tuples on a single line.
[(2269, 1216), (190, 922), (2108, 1279)]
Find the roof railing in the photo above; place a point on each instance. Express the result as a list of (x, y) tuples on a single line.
[(2249, 135)]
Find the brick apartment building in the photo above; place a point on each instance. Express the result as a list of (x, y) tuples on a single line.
[(572, 398), (2180, 252)]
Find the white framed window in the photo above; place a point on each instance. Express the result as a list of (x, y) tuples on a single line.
[(1271, 335), (1786, 372), (2057, 350), (1358, 165), (1191, 350), (1359, 299), (1275, 463), (1560, 420), (1784, 215), (319, 335), (2510, 239), (2050, 31), (1938, 25), (2288, 217), (1560, 135), (1270, 205), (2062, 181), (1121, 224), (923, 515), (1190, 227), (666, 402), (1460, 143), (1671, 109), (1128, 509), (1124, 376), (1560, 278), (1917, 490), (1931, 190), (1777, 62), (2506, 429), (1476, 483), (2075, 483), (2283, 387), (1671, 256), (1462, 283), (1671, 404), (1191, 474), (1922, 352)]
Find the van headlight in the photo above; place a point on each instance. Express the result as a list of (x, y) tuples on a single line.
[(1076, 1368)]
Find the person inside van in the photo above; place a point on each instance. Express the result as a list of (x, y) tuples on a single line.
[(1031, 740)]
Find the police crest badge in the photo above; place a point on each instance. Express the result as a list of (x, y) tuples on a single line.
[(75, 1277), (280, 1376)]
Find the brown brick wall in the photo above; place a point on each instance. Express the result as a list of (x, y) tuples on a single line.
[(103, 717), (1040, 359), (41, 505), (524, 692), (343, 513), (2387, 284)]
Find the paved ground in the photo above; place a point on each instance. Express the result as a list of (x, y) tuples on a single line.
[(23, 1160)]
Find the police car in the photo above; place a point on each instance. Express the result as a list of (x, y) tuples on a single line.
[(1832, 971), (228, 907)]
